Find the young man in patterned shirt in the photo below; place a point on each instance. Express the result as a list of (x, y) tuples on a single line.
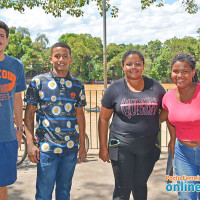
[(58, 100)]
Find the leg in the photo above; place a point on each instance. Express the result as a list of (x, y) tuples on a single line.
[(184, 165), (123, 173), (46, 175), (65, 172), (144, 165), (3, 193)]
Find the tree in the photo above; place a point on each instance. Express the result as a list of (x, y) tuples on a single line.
[(154, 49), (73, 7), (23, 30), (86, 53), (34, 60), (190, 6), (186, 45), (42, 39), (112, 50), (162, 66), (115, 68), (198, 31), (14, 47), (55, 7), (18, 42)]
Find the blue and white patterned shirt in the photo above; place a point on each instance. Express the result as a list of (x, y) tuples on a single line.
[(56, 99)]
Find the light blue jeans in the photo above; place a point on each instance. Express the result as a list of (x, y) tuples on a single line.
[(55, 168), (187, 162)]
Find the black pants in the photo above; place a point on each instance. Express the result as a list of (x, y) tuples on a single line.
[(132, 167)]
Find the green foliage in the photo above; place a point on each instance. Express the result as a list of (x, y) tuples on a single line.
[(198, 31), (56, 7), (115, 67), (96, 73), (154, 49), (73, 7), (87, 53), (189, 5), (33, 59), (33, 55), (23, 30), (113, 50), (15, 47), (42, 39), (186, 45)]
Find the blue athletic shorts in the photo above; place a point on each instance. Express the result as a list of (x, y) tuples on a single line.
[(8, 162)]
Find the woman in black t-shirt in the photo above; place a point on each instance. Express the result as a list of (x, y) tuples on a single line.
[(134, 102)]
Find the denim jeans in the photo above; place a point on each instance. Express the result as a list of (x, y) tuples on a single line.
[(187, 162), (169, 168), (55, 168)]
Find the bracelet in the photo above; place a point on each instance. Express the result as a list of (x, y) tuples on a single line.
[(21, 128)]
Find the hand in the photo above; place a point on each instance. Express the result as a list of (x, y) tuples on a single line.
[(104, 155), (82, 154), (171, 146), (19, 137), (33, 153)]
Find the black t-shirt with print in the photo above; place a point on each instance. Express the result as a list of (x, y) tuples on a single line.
[(135, 113)]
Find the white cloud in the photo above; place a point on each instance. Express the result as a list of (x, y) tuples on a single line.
[(132, 25)]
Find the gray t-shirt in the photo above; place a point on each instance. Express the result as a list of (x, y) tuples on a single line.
[(135, 113)]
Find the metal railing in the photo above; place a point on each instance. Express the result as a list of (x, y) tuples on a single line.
[(93, 98)]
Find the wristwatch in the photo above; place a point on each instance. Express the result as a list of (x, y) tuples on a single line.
[(20, 128)]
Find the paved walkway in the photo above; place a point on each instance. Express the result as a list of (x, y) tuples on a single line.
[(93, 180)]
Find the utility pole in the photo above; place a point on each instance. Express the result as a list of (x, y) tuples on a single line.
[(104, 45)]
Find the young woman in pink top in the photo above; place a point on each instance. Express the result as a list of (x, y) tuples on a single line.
[(182, 105)]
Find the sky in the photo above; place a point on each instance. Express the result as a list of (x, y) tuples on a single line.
[(133, 25)]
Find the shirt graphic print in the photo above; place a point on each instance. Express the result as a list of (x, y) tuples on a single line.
[(140, 106), (7, 84)]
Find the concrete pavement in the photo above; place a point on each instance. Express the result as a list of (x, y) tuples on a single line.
[(93, 180)]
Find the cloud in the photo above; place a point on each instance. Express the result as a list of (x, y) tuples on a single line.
[(133, 25)]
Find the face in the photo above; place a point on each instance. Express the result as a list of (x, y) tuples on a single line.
[(133, 67), (182, 74), (3, 40), (60, 59)]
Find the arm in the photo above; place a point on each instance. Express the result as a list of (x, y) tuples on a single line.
[(171, 144), (33, 151), (172, 131), (18, 112), (81, 124), (163, 116), (104, 118)]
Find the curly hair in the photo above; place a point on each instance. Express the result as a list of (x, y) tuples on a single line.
[(184, 57)]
